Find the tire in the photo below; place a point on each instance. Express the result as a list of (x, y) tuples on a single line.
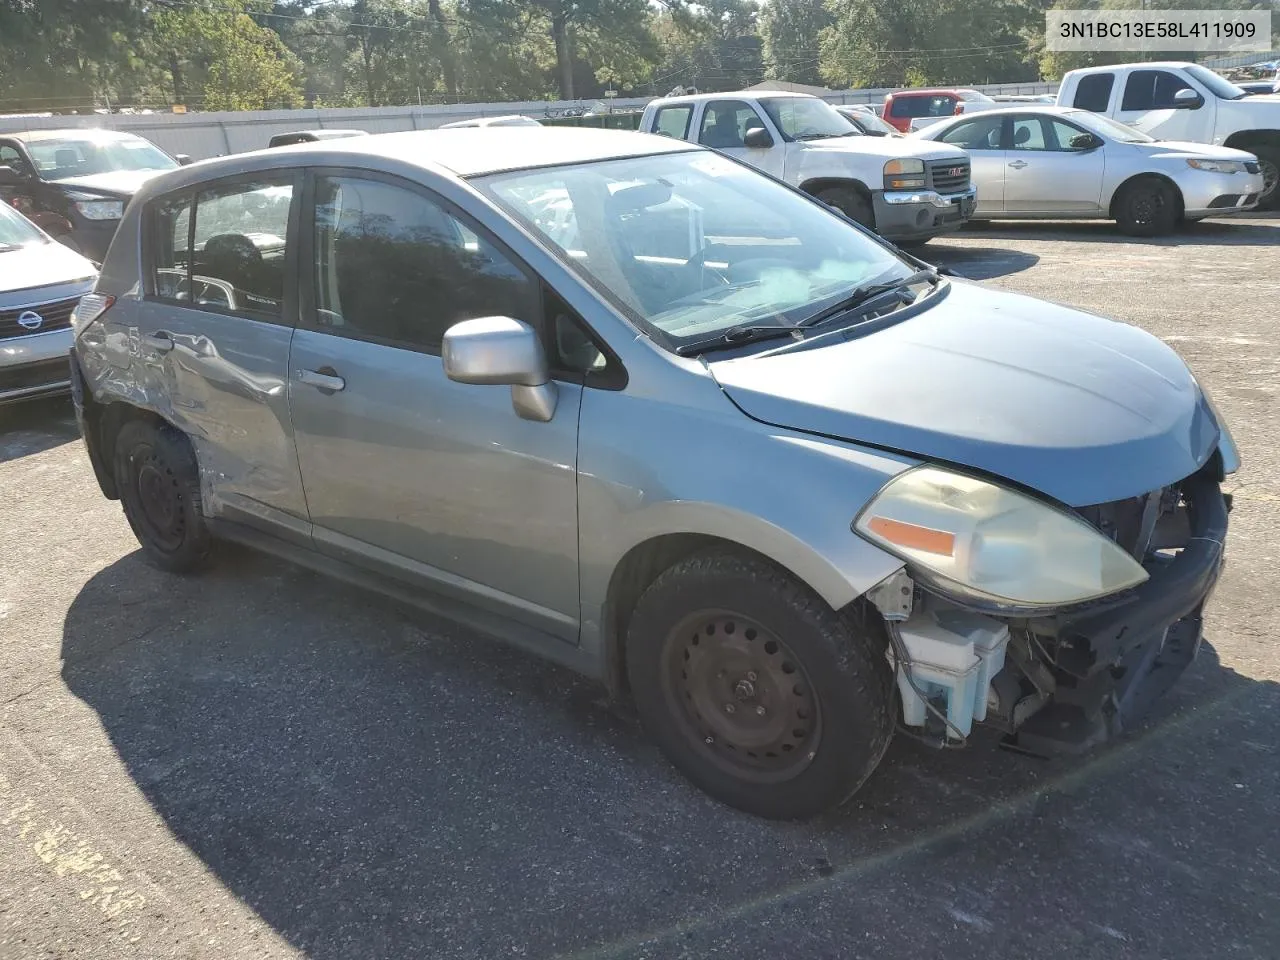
[(851, 202), (1269, 157), (781, 728), (159, 487), (1147, 207)]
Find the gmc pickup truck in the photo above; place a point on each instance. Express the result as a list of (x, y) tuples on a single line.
[(1184, 101), (906, 190)]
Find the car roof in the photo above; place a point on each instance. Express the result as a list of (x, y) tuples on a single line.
[(464, 152), (1048, 109), (34, 136), (1152, 65), (733, 95), (931, 92)]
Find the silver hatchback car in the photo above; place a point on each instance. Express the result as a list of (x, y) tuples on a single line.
[(629, 404)]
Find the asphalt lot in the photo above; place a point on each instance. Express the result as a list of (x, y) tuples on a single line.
[(260, 763)]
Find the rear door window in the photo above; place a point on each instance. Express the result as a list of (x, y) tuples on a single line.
[(673, 121), (225, 247), (1151, 90), (980, 134), (1093, 92)]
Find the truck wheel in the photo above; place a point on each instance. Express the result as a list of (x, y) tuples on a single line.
[(1147, 207), (1269, 158), (850, 202), (755, 689), (159, 488)]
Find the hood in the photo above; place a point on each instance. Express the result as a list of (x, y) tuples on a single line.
[(41, 265), (1178, 149), (886, 147), (115, 183), (1083, 409)]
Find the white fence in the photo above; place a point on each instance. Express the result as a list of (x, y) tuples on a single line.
[(203, 135)]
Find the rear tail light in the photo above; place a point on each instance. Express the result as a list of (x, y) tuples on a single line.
[(90, 308), (959, 107)]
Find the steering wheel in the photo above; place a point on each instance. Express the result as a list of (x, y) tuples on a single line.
[(698, 262)]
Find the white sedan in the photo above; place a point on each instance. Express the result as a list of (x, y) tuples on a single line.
[(1056, 162)]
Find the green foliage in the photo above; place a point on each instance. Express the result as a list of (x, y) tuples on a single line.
[(790, 30)]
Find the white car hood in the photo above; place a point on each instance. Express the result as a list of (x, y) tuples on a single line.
[(1178, 149), (887, 147), (41, 265)]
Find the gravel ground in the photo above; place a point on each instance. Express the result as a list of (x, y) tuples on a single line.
[(260, 763)]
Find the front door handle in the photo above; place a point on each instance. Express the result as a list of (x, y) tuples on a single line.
[(160, 341), (326, 379), (1018, 164)]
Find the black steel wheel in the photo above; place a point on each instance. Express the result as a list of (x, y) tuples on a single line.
[(159, 489), (1147, 207), (755, 689), (740, 690)]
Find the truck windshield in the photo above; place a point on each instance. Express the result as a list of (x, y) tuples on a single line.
[(1220, 87), (806, 118), (68, 157), (691, 244)]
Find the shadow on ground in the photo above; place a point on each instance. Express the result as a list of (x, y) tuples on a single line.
[(1244, 231), (33, 426), (376, 785), (979, 263)]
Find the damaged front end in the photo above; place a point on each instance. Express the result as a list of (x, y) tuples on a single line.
[(1064, 680)]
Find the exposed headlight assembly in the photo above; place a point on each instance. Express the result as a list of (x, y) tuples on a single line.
[(993, 544), (1216, 166), (906, 174)]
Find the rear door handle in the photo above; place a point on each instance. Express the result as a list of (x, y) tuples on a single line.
[(1018, 164), (160, 341), (326, 379)]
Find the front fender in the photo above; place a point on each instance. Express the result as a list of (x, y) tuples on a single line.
[(695, 464)]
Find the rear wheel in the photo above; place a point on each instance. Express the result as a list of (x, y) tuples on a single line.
[(159, 487), (1147, 207), (851, 202), (755, 689)]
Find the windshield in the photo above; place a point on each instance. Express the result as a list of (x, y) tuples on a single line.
[(691, 244), (1220, 87), (16, 230), (870, 121), (82, 156), (1111, 129), (806, 118)]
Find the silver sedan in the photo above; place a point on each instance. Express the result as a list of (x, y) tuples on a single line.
[(1055, 162)]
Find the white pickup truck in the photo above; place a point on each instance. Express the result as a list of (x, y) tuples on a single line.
[(905, 190), (1184, 101)]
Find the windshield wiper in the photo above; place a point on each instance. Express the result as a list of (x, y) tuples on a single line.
[(818, 136), (864, 294), (739, 335)]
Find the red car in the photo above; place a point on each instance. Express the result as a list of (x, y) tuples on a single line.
[(902, 107)]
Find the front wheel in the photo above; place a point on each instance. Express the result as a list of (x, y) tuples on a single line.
[(1269, 160), (1147, 207), (851, 202), (755, 689)]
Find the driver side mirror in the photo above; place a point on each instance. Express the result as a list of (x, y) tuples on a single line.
[(1085, 141), (500, 350), (1187, 99), (11, 177), (757, 137), (182, 158)]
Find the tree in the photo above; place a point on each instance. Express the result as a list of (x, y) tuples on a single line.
[(789, 30), (218, 53)]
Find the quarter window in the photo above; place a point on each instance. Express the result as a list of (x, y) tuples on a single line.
[(171, 258), (673, 122), (1093, 92), (395, 267)]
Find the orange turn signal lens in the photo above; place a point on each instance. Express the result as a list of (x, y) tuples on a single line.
[(914, 537)]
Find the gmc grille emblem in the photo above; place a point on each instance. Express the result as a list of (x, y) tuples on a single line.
[(956, 172)]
